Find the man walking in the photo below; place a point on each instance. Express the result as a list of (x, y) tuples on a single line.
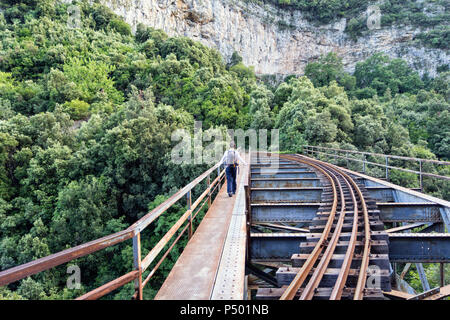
[(231, 160)]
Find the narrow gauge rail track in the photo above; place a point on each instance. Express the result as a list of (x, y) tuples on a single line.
[(346, 198)]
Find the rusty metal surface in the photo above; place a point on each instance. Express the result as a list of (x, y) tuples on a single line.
[(192, 276), (110, 286), (230, 279), (164, 241), (398, 294), (366, 251), (155, 213), (320, 269), (36, 266), (33, 267), (202, 270), (292, 289), (339, 183), (443, 293)]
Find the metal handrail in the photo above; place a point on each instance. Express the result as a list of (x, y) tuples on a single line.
[(382, 155), (420, 173), (53, 260)]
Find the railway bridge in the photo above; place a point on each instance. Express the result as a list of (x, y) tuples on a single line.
[(297, 228)]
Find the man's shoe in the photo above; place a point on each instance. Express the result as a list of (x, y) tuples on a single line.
[(229, 194)]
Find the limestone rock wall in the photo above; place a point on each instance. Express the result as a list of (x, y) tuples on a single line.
[(274, 41)]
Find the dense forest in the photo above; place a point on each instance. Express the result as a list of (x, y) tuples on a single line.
[(86, 116)]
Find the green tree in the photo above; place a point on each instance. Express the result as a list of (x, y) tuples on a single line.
[(259, 107), (77, 109)]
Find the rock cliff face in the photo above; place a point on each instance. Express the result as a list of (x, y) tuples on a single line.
[(274, 41)]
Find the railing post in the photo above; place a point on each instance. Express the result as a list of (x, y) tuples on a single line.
[(218, 180), (442, 274), (346, 158), (209, 192), (189, 203), (364, 164), (387, 169), (420, 176), (137, 265)]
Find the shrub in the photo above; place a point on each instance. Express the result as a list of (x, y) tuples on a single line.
[(77, 109), (120, 26)]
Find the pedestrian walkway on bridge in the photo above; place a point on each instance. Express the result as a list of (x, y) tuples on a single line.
[(212, 266)]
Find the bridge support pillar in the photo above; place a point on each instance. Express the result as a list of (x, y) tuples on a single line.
[(423, 277)]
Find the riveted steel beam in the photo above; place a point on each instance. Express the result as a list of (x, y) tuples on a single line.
[(310, 194), (419, 247), (286, 212), (285, 182), (403, 247), (286, 174)]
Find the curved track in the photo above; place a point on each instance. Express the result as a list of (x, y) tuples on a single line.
[(346, 198)]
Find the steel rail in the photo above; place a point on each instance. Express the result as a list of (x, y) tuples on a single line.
[(300, 277), (359, 294), (338, 288), (313, 284), (343, 274), (362, 276), (331, 171), (359, 291)]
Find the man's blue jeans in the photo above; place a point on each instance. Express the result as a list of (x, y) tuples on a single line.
[(231, 178)]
